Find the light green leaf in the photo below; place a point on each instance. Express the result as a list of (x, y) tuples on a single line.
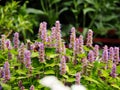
[(86, 10), (35, 11), (116, 86), (49, 72)]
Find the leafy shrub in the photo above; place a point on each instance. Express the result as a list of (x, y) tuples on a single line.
[(15, 18)]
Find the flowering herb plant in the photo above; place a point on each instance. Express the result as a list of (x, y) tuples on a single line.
[(22, 65)]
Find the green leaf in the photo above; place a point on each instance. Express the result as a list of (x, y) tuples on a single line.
[(35, 11), (86, 48), (86, 10), (13, 51), (6, 86), (81, 55), (34, 54), (65, 76), (70, 80), (55, 1), (20, 72), (50, 52), (49, 72), (104, 73), (91, 80), (116, 86), (69, 52), (118, 69)]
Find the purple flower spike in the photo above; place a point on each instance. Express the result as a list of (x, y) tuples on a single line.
[(113, 72), (63, 66), (6, 72), (81, 44), (3, 45), (58, 37), (41, 53), (1, 72), (76, 46), (78, 76), (116, 55), (21, 52), (111, 53), (32, 87), (63, 48), (8, 44), (105, 54), (89, 38), (44, 32), (40, 30), (72, 38), (1, 87), (53, 36), (27, 59), (91, 57), (49, 41), (57, 25), (16, 40), (96, 51)]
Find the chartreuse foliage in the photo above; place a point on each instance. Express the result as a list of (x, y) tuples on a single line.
[(95, 77)]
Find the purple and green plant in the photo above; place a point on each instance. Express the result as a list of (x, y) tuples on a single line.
[(86, 64)]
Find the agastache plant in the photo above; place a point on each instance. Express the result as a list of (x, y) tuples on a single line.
[(21, 52), (78, 77), (6, 71), (91, 57), (111, 53), (0, 44), (116, 55), (58, 37), (53, 36), (105, 54), (63, 65), (96, 51), (77, 46), (40, 30), (27, 58), (16, 40), (72, 38), (81, 42), (43, 32), (3, 45), (32, 87), (113, 71), (1, 72), (89, 38), (9, 47), (41, 52)]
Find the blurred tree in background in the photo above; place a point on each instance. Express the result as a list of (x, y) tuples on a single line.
[(99, 15)]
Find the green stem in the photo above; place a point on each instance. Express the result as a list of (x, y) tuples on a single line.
[(92, 22)]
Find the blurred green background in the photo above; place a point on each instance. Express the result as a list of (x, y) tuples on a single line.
[(24, 16)]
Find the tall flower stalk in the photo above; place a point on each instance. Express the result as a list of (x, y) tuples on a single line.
[(89, 38), (6, 71), (113, 71), (63, 65), (21, 52), (96, 51), (81, 42), (116, 55), (27, 58), (41, 53), (16, 40), (77, 80), (91, 57), (3, 45), (58, 37)]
